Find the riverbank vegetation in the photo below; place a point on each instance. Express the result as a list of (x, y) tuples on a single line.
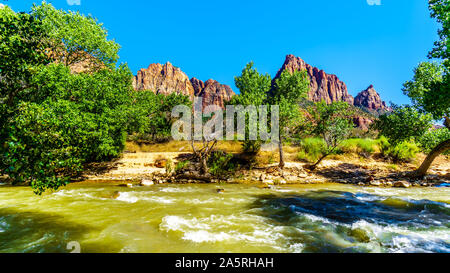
[(66, 103)]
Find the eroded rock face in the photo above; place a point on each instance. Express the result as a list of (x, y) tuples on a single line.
[(167, 79), (163, 79), (370, 99), (212, 92), (362, 122), (323, 86)]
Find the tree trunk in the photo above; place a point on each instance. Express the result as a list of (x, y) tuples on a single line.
[(280, 149), (314, 166), (204, 165), (422, 171)]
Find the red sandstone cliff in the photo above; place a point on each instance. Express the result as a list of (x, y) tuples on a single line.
[(323, 86), (167, 79), (163, 79), (370, 99), (212, 92)]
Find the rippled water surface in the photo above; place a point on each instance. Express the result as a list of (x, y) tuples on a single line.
[(245, 218)]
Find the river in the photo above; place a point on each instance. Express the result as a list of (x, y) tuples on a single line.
[(244, 218)]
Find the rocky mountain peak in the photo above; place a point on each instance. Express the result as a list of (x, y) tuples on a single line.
[(163, 79), (323, 86), (370, 99), (212, 91)]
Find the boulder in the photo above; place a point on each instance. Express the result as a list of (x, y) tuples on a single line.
[(146, 182), (402, 184), (161, 163)]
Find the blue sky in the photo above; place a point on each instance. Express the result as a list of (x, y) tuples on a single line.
[(363, 44)]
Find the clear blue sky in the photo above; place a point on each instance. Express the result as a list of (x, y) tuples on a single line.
[(360, 43)]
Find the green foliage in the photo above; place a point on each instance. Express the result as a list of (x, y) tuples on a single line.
[(433, 138), (311, 149), (288, 91), (364, 147), (402, 124), (181, 165), (150, 114), (54, 121), (23, 43), (253, 88), (333, 122), (430, 88), (169, 166), (404, 151), (219, 163), (76, 37), (251, 146)]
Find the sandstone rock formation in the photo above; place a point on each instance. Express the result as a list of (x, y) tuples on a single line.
[(167, 79), (163, 79), (323, 86), (370, 99), (212, 92)]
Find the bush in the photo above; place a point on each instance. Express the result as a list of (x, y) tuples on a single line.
[(364, 147), (433, 138), (312, 149), (181, 165), (220, 163), (402, 152)]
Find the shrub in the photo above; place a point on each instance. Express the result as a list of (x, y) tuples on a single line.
[(220, 163), (181, 165), (312, 149), (169, 166), (364, 147), (433, 138), (402, 152)]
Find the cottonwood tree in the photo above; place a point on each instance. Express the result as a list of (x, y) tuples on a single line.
[(403, 123), (287, 92), (430, 88), (253, 87), (333, 122)]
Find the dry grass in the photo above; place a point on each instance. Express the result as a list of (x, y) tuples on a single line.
[(178, 146)]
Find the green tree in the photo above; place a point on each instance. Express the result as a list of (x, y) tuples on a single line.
[(333, 122), (289, 89), (404, 123), (150, 113), (430, 90), (76, 38), (253, 87), (54, 121)]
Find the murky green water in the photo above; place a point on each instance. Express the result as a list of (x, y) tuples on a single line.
[(195, 218)]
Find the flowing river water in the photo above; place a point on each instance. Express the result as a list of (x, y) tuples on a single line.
[(245, 218)]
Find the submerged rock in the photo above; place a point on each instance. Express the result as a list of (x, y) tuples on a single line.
[(360, 235)]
